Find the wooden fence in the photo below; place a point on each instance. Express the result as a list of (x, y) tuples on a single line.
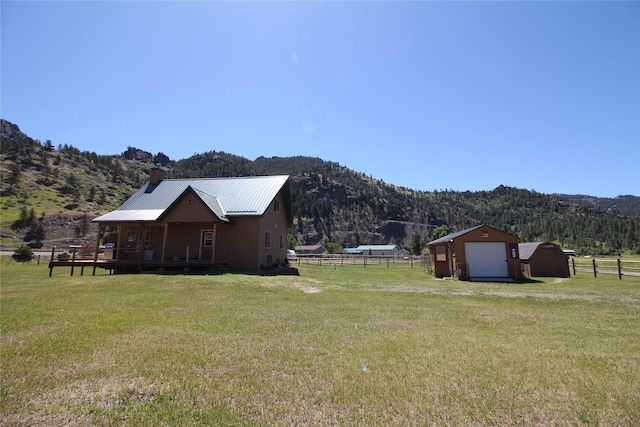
[(605, 266), (363, 260)]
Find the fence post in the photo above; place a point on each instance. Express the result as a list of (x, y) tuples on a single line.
[(73, 259), (619, 269), (595, 272), (53, 251), (573, 264)]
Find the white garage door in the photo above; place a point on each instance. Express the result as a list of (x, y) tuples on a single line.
[(487, 259)]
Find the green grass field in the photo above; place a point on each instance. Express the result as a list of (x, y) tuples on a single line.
[(351, 346)]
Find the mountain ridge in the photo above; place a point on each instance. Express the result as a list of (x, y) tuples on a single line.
[(331, 203)]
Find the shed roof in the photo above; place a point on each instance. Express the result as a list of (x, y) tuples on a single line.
[(225, 197), (528, 248)]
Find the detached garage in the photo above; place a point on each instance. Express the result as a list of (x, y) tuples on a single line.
[(543, 259), (478, 253)]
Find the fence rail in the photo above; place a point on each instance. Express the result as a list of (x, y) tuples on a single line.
[(605, 266), (363, 260)]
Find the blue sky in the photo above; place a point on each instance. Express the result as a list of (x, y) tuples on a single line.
[(427, 95)]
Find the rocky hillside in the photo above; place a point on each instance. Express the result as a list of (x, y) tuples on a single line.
[(59, 188), (55, 188)]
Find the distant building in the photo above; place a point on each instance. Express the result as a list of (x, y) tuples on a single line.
[(380, 250), (310, 250)]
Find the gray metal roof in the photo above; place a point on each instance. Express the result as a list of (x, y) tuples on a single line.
[(528, 248), (452, 236), (226, 197)]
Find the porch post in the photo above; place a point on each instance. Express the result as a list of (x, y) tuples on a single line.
[(118, 248), (213, 248), (164, 241), (95, 256)]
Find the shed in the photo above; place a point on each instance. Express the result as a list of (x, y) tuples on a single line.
[(478, 253), (543, 259), (310, 250)]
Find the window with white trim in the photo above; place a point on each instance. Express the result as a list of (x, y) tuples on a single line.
[(281, 241), (267, 239), (207, 238), (276, 205), (132, 236)]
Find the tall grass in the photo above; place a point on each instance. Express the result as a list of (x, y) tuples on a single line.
[(350, 346)]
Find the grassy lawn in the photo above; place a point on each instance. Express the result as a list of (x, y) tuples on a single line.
[(351, 346)]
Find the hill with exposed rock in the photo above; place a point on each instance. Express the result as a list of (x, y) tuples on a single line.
[(62, 188)]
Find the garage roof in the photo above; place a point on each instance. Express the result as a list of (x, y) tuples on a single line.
[(452, 236)]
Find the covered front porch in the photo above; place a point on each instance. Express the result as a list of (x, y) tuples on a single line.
[(152, 246)]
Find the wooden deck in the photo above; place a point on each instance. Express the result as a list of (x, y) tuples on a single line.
[(129, 266), (82, 257)]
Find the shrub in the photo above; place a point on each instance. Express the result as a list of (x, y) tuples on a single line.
[(23, 254)]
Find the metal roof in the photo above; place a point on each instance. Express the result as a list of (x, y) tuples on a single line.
[(528, 248), (377, 247), (226, 197), (452, 236)]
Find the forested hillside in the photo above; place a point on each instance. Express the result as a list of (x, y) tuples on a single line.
[(61, 186), (347, 208)]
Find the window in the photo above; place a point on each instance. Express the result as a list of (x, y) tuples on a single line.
[(207, 238), (281, 241), (276, 205), (441, 253), (267, 239), (131, 240)]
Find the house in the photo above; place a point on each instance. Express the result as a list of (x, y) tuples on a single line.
[(310, 250), (543, 259), (380, 250), (477, 253), (240, 222)]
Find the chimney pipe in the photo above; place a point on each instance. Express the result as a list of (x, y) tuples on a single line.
[(156, 175)]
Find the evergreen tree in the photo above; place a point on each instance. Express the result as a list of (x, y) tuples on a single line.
[(83, 225), (416, 243), (15, 174)]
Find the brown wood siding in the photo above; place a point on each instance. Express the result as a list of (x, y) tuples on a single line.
[(441, 267), (184, 237), (236, 243), (548, 262), (185, 211), (275, 223)]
